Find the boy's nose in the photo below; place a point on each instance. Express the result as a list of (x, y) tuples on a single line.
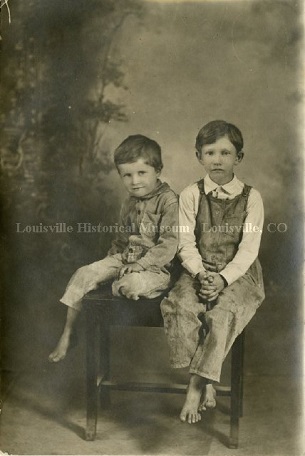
[(135, 179), (217, 159)]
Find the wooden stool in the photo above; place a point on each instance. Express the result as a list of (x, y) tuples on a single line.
[(104, 310)]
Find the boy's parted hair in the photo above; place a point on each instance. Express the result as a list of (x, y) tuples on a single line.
[(216, 129), (139, 146)]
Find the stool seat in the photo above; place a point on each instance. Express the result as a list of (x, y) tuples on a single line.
[(122, 311), (104, 310)]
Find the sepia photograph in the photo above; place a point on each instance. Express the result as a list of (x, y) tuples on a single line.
[(152, 225)]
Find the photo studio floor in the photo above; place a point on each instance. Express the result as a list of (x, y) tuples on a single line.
[(44, 404)]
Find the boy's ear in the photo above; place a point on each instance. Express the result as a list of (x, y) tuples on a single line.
[(240, 156), (198, 155)]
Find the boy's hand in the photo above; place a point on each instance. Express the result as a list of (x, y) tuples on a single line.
[(207, 287), (203, 277), (211, 286), (128, 268)]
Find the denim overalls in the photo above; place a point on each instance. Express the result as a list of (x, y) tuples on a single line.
[(201, 334)]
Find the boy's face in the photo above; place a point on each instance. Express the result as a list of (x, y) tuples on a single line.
[(219, 159), (139, 178)]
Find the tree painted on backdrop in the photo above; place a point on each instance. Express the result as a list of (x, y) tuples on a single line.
[(61, 82)]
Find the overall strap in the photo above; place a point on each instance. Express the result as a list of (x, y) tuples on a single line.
[(200, 185), (245, 193)]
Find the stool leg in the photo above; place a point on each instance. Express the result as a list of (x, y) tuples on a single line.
[(236, 388), (92, 372), (105, 361), (241, 397)]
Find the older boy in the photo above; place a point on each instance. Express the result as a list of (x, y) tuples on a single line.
[(140, 259), (222, 285)]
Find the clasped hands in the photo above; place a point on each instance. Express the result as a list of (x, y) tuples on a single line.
[(211, 283)]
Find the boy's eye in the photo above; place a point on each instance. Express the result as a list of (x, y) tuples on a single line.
[(126, 175), (141, 173)]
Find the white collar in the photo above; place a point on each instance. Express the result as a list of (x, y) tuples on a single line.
[(231, 187)]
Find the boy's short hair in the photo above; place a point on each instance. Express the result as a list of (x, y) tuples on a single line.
[(139, 146), (216, 129)]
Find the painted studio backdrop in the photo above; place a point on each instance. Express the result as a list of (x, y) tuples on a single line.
[(77, 77)]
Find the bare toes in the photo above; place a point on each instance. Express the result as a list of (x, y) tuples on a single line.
[(183, 417), (194, 418), (54, 358)]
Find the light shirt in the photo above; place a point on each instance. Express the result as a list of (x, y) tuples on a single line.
[(253, 226)]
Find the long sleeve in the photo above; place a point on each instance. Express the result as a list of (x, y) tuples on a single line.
[(187, 250), (166, 246)]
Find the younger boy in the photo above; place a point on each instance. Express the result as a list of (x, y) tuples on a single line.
[(140, 259), (221, 286)]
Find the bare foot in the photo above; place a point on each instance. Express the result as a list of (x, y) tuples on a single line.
[(190, 411), (209, 398), (65, 342)]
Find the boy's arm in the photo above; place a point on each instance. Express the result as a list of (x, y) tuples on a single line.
[(188, 252), (121, 238), (250, 243), (166, 247)]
